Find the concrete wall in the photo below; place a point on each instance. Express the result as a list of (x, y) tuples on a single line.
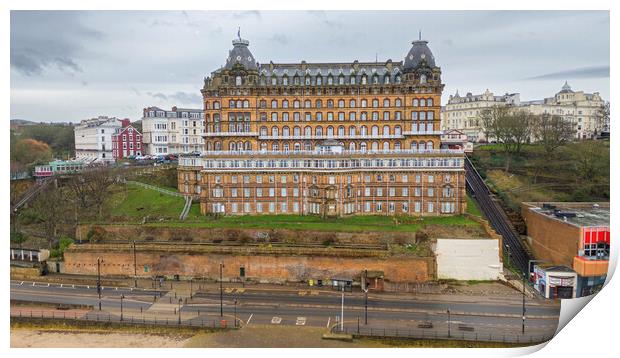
[(275, 267), (468, 259)]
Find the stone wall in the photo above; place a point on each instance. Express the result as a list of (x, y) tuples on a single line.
[(261, 264)]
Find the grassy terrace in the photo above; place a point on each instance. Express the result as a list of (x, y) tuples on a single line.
[(131, 203)]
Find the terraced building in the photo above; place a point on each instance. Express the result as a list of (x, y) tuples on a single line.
[(329, 139)]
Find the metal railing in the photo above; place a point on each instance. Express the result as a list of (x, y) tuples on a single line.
[(458, 332), (156, 188), (92, 316)]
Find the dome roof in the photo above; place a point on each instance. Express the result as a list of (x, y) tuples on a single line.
[(419, 52), (241, 54)]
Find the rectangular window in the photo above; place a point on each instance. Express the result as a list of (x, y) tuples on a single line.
[(283, 179), (379, 191), (233, 192), (405, 192), (391, 206), (405, 207), (259, 192), (392, 192), (431, 192), (283, 192), (367, 207), (259, 179), (246, 207), (379, 207), (418, 206), (272, 192), (283, 208), (246, 192), (417, 191), (366, 191), (405, 178), (259, 207), (418, 178), (295, 192), (272, 207), (430, 207), (234, 207), (295, 207), (431, 178)]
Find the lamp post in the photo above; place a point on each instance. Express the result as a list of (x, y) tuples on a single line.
[(509, 253), (365, 288), (180, 300), (122, 296), (235, 311), (523, 316), (190, 288), (99, 261), (448, 322), (135, 266), (342, 310), (221, 291)]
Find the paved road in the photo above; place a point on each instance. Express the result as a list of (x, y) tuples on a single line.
[(304, 308)]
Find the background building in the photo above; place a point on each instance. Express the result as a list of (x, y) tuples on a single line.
[(582, 109), (177, 131), (93, 138), (127, 141), (463, 113), (325, 138), (573, 235)]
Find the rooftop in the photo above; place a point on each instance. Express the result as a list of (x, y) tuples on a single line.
[(577, 214)]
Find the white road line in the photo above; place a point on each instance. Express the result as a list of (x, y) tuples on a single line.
[(21, 283), (48, 285), (249, 318), (61, 285), (33, 284), (72, 286), (328, 320)]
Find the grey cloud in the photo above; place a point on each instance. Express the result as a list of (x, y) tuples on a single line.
[(158, 95), (135, 90), (279, 38), (42, 40), (583, 72), (186, 98)]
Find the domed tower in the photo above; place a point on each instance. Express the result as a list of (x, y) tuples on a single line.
[(419, 65), (241, 67)]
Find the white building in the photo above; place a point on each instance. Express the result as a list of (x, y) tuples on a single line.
[(93, 138), (463, 113), (582, 109), (177, 131)]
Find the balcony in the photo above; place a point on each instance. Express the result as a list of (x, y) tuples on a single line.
[(306, 137), (586, 268), (230, 134), (423, 132)]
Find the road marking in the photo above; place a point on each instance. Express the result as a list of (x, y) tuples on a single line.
[(48, 285), (89, 287), (61, 285), (33, 284), (72, 286), (21, 283), (276, 320), (328, 320), (116, 289), (249, 318), (301, 321)]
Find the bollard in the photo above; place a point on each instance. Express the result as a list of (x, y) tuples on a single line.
[(140, 309)]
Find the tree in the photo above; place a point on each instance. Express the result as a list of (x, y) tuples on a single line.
[(521, 123), (590, 159), (602, 118), (553, 131), (49, 208), (98, 181), (490, 118), (27, 152)]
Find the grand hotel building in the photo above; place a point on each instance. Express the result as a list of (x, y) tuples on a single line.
[(330, 139)]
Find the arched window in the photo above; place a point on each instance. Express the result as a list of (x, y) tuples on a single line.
[(285, 131), (364, 103), (330, 131), (364, 79), (296, 146), (352, 146), (341, 103), (422, 146), (307, 81), (296, 131), (330, 103), (422, 102), (275, 147), (341, 131), (319, 131), (248, 146), (352, 131), (415, 102), (429, 145), (363, 146), (285, 116), (374, 130), (386, 146), (246, 104), (263, 146), (274, 80), (397, 130), (274, 104), (397, 102), (397, 79), (285, 104), (386, 116), (274, 131), (319, 80), (352, 79), (216, 105), (274, 116), (422, 78), (232, 146), (429, 102), (308, 131), (414, 145), (364, 116), (386, 102), (285, 147), (375, 103), (319, 103), (352, 103), (341, 80), (296, 80), (218, 146), (363, 131), (285, 80), (239, 103), (319, 116), (307, 103), (330, 80), (397, 145), (386, 130), (375, 146), (375, 116), (386, 79), (375, 80), (296, 103), (231, 103)]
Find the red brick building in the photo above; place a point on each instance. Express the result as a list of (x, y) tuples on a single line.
[(126, 141)]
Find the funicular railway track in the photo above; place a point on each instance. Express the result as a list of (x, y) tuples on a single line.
[(497, 218)]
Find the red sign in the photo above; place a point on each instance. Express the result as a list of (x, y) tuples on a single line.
[(594, 234)]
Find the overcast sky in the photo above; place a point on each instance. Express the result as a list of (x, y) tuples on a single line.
[(68, 66)]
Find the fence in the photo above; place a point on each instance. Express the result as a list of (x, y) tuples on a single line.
[(153, 187), (458, 332), (103, 317)]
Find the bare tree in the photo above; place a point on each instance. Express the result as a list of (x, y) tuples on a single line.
[(49, 207), (590, 158), (602, 118), (521, 123), (98, 181), (553, 131), (490, 117)]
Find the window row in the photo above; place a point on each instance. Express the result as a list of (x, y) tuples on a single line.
[(446, 192), (367, 178), (316, 208), (330, 103)]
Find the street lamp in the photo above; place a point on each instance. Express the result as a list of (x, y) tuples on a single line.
[(135, 267), (180, 300), (235, 311), (365, 288), (221, 291), (448, 322), (523, 315), (509, 253), (342, 310), (122, 296), (190, 288), (99, 261)]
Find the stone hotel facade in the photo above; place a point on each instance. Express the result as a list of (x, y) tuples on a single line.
[(330, 139)]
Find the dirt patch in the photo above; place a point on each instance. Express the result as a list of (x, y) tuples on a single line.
[(33, 338)]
